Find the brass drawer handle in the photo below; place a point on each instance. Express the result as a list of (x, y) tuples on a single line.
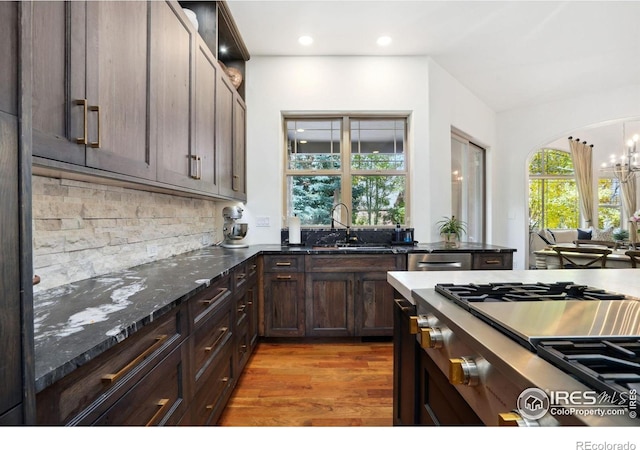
[(222, 380), (111, 378), (242, 308), (283, 263), (96, 144), (162, 404), (223, 331), (83, 103), (216, 298), (241, 276), (283, 277), (493, 261)]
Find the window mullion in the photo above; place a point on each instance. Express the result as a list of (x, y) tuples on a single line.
[(345, 155)]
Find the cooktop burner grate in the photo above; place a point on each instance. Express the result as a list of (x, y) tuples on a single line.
[(611, 366), (463, 294)]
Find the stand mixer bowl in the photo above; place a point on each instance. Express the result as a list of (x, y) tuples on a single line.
[(236, 231)]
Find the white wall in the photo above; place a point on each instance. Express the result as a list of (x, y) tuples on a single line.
[(353, 84), (522, 131)]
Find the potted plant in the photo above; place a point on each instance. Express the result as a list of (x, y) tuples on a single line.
[(451, 229)]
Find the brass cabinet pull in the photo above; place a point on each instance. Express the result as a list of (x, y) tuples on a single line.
[(241, 308), (493, 261), (223, 331), (111, 378), (198, 171), (216, 298), (222, 380), (241, 276), (83, 103), (283, 264), (96, 144), (162, 404), (283, 277)]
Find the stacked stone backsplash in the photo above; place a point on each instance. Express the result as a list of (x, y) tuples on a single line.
[(82, 230)]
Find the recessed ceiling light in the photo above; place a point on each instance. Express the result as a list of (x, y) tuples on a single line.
[(300, 130), (384, 40), (303, 142), (223, 49), (375, 151), (305, 40)]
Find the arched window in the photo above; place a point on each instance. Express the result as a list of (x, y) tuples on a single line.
[(553, 195)]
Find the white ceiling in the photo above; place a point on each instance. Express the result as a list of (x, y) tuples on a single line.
[(511, 54)]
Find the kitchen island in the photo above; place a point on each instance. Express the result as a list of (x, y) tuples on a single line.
[(487, 355)]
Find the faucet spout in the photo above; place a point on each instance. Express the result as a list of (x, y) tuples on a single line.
[(333, 219)]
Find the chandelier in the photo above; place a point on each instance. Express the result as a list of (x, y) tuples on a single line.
[(626, 165)]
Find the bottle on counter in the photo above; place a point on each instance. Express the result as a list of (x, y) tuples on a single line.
[(398, 235)]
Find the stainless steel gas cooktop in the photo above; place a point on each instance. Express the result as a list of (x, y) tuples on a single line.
[(590, 334)]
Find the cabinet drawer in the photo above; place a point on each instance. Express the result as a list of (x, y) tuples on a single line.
[(240, 278), (208, 301), (492, 261), (158, 399), (283, 263), (355, 263), (211, 399), (210, 340), (88, 391), (243, 346)]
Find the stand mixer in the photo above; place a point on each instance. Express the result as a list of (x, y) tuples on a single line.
[(233, 231)]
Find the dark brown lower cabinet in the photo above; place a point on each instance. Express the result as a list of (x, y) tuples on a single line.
[(439, 403), (329, 304), (405, 354), (348, 295), (284, 308), (209, 401), (146, 368), (373, 308), (158, 399)]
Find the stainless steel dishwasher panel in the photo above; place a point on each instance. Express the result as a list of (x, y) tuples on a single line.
[(438, 261)]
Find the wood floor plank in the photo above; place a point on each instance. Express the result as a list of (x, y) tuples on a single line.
[(314, 384)]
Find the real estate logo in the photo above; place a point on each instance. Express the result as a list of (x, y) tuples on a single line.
[(533, 403)]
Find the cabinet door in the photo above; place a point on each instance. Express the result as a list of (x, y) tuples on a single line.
[(59, 49), (204, 151), (373, 305), (10, 320), (9, 55), (117, 89), (238, 176), (284, 304), (173, 83), (224, 134), (329, 304)]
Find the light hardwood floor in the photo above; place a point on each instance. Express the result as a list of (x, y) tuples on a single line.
[(314, 384)]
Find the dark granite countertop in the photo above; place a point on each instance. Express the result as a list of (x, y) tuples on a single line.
[(77, 322)]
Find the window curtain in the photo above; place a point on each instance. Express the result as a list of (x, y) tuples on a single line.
[(581, 155), (628, 187)]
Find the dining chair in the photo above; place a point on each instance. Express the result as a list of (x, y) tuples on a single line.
[(582, 257), (634, 257)]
